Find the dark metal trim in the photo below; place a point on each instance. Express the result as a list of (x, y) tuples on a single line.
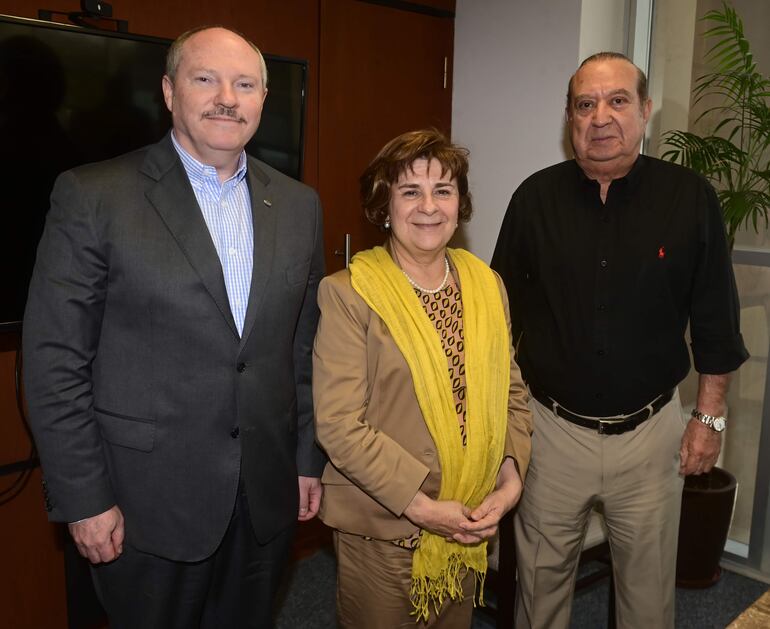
[(413, 7), (751, 256)]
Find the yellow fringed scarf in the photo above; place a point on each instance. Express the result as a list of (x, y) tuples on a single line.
[(468, 474)]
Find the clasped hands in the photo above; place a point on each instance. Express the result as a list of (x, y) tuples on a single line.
[(457, 522)]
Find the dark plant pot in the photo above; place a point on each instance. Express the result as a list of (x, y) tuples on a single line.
[(707, 509)]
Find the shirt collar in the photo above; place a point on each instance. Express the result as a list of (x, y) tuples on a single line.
[(630, 180), (198, 172)]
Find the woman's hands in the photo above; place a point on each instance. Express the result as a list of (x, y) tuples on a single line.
[(441, 517), (483, 520), (458, 523)]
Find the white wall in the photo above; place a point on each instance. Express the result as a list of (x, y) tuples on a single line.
[(512, 61), (603, 26)]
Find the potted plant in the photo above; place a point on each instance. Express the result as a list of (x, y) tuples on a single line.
[(735, 159), (735, 156)]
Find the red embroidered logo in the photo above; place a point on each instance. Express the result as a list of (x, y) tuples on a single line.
[(662, 253)]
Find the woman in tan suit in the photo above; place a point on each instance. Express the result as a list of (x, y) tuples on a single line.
[(419, 403)]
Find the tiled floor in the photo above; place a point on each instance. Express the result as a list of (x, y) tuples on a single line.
[(755, 617)]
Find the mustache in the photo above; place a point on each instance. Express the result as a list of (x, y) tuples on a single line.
[(226, 112)]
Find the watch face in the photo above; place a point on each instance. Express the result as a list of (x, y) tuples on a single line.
[(719, 424)]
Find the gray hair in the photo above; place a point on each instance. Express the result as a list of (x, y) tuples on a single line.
[(174, 54)]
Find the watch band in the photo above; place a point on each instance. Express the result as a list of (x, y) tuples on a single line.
[(716, 423)]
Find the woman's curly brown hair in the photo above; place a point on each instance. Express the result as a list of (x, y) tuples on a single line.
[(397, 156)]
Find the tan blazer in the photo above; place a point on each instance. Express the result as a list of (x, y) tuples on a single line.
[(369, 422)]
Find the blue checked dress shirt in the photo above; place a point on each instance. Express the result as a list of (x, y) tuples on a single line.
[(226, 208)]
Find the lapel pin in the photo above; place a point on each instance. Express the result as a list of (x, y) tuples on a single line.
[(267, 202)]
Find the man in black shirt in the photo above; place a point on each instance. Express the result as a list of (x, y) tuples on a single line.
[(606, 259)]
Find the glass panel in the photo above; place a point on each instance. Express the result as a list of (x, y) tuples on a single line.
[(677, 52), (746, 397), (749, 238)]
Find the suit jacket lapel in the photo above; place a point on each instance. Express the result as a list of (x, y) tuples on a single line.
[(175, 202), (263, 217)]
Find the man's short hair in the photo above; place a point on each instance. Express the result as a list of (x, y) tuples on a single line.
[(174, 54), (641, 79), (398, 156)]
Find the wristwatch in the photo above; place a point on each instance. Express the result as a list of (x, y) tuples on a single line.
[(717, 424)]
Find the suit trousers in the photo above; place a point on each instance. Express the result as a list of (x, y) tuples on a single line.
[(235, 587), (373, 582), (635, 477)]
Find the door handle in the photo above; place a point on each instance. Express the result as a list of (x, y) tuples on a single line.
[(345, 252)]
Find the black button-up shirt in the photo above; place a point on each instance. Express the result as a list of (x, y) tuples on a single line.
[(601, 293)]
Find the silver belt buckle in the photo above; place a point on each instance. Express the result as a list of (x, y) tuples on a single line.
[(614, 422)]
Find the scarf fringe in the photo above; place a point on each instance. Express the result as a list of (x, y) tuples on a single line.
[(431, 591)]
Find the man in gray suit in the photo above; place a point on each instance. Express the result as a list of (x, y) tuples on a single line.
[(167, 348)]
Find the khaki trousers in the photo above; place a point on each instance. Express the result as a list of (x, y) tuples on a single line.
[(373, 580), (635, 476)]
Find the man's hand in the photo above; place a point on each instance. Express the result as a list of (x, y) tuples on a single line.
[(700, 444), (700, 448), (100, 538), (486, 517), (310, 492)]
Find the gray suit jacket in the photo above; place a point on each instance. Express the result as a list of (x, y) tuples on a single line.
[(140, 391)]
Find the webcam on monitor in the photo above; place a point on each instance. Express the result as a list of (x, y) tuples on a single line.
[(96, 8)]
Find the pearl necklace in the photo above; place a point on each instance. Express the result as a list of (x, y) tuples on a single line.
[(428, 290)]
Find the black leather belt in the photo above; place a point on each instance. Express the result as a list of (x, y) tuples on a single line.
[(605, 425)]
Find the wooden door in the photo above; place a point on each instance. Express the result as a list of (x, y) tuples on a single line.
[(384, 71)]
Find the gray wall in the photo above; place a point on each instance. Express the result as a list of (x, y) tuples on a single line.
[(512, 59)]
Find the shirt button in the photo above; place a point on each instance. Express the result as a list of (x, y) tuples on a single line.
[(603, 264), (600, 352), (235, 432), (598, 396), (240, 367), (602, 308), (232, 251), (605, 219)]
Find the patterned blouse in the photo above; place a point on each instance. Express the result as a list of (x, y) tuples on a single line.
[(445, 310)]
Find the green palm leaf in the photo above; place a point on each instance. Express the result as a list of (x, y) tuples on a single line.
[(735, 157)]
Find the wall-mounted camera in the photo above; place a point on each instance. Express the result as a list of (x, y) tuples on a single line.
[(96, 8), (94, 14)]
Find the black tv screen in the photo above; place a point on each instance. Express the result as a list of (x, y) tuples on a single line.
[(72, 95)]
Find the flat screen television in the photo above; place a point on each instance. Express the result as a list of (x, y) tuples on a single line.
[(71, 95)]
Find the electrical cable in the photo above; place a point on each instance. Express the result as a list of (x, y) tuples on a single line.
[(20, 482)]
